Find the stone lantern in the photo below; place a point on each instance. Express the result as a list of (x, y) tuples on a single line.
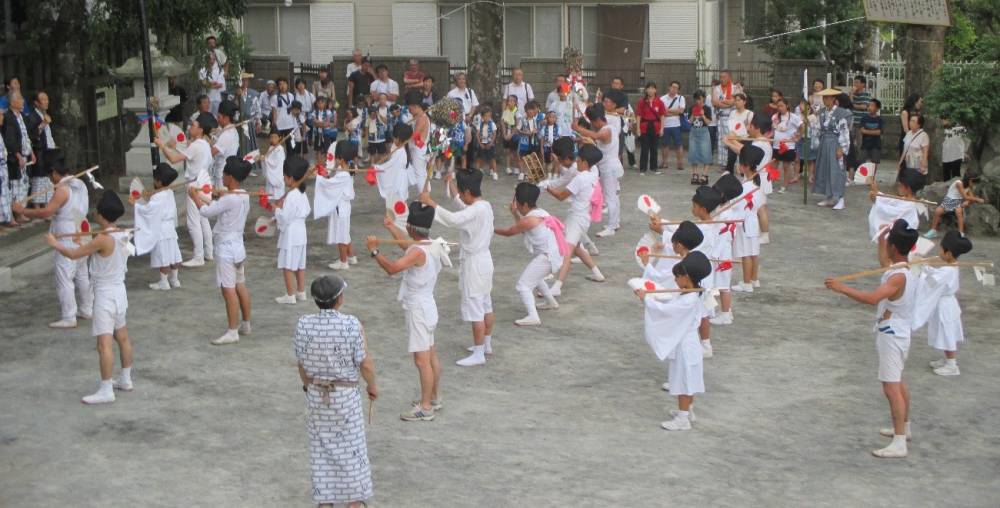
[(137, 162)]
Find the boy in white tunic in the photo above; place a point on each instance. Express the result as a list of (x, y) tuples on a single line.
[(420, 265), (544, 239), (418, 142), (672, 331), (232, 210), (579, 191), (198, 158), (291, 212), (392, 179), (474, 220), (273, 161), (606, 134), (226, 142), (938, 307), (108, 256), (730, 188), (67, 209), (333, 198), (746, 243), (894, 300), (156, 229)]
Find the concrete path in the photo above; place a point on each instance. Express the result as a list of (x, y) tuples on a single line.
[(566, 414)]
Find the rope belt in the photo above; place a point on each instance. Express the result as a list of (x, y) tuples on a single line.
[(325, 386)]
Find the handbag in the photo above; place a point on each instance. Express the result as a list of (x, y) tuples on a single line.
[(685, 123)]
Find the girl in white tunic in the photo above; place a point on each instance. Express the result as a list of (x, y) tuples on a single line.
[(393, 183), (274, 164), (291, 213), (672, 331), (108, 255), (610, 170), (938, 307), (333, 198), (746, 244), (332, 353), (729, 187), (545, 241), (156, 229)]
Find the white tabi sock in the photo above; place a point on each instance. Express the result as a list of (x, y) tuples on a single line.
[(488, 342), (707, 343), (174, 279), (951, 362), (106, 387), (529, 303), (597, 272), (682, 414), (556, 285), (163, 277), (126, 375), (898, 442)]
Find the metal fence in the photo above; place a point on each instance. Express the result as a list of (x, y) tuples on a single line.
[(886, 80), (756, 77)]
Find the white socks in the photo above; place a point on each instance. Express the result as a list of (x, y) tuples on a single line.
[(105, 393), (488, 344), (175, 280), (895, 450), (951, 362), (556, 286), (126, 374), (478, 357), (528, 300)]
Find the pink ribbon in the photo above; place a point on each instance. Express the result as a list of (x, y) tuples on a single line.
[(596, 203), (552, 222)]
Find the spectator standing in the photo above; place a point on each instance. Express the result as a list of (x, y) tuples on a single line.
[(553, 96), (723, 102), (6, 216), (306, 99), (871, 129), (860, 98), (15, 134), (518, 88), (212, 81), (359, 83), (650, 110), (628, 123), (281, 116), (270, 90), (699, 142), (176, 113), (356, 63), (323, 86), (427, 92), (771, 108), (675, 107), (916, 145), (912, 106), (248, 101), (11, 85), (465, 95), (953, 149), (43, 144), (384, 84), (220, 56), (413, 77)]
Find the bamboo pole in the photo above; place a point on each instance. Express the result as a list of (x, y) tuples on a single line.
[(60, 184), (80, 234), (677, 223), (413, 242), (903, 198), (894, 266)]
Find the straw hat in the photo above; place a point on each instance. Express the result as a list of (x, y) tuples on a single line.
[(829, 91), (246, 75)]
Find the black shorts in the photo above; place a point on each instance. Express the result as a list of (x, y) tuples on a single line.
[(547, 155), (788, 156), (377, 148), (486, 154), (511, 144)]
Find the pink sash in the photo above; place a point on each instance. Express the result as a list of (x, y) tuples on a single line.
[(552, 222), (596, 203)]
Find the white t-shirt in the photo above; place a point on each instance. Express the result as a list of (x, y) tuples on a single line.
[(214, 77), (785, 129), (388, 87), (582, 187), (467, 97), (351, 67), (678, 101), (199, 160), (307, 99), (282, 118), (738, 122), (953, 148), (522, 91), (913, 145), (227, 145)]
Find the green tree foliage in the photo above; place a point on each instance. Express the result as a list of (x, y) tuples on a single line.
[(965, 94), (975, 30), (842, 41)]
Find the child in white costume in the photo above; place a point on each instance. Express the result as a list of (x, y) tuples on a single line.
[(291, 213), (543, 237), (230, 274), (227, 140), (419, 141), (610, 170), (938, 307), (273, 161), (156, 229), (392, 179), (729, 188), (672, 331), (68, 210), (108, 254), (333, 198), (886, 210), (746, 243), (474, 221)]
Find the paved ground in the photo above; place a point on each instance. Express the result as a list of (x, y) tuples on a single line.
[(564, 415)]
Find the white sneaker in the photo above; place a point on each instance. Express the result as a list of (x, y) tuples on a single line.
[(722, 318), (840, 206), (891, 452), (677, 423), (947, 370), (665, 386), (691, 416), (230, 337), (244, 328), (782, 190), (606, 232), (743, 288), (300, 296), (63, 323), (592, 249), (123, 385), (547, 306), (575, 260), (755, 283), (487, 349), (194, 262), (176, 283), (937, 364), (528, 321), (508, 171), (286, 299), (595, 277), (495, 177), (85, 315), (339, 265), (825, 203), (765, 238), (473, 360), (161, 285), (706, 350), (353, 260), (99, 397)]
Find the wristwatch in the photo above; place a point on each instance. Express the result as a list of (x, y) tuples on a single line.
[(374, 252)]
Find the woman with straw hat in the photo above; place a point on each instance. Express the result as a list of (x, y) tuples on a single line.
[(834, 141)]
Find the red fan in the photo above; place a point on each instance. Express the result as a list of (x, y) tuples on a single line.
[(329, 157), (261, 228), (645, 199), (135, 194), (782, 148), (649, 285), (84, 226), (180, 137), (370, 176), (642, 250), (399, 208), (206, 189), (725, 265)]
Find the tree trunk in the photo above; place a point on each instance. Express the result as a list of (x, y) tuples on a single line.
[(485, 50), (923, 47)]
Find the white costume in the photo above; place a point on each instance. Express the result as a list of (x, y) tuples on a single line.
[(199, 161), (232, 210), (417, 170), (765, 182), (725, 235), (542, 245), (747, 240), (892, 336), (393, 183), (578, 219), (156, 229), (71, 275), (416, 293), (885, 211), (611, 170), (475, 276), (333, 198), (227, 144), (672, 332), (937, 306), (292, 242), (107, 274), (274, 166)]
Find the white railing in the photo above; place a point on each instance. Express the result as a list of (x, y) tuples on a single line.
[(888, 81)]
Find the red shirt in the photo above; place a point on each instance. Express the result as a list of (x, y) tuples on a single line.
[(649, 112)]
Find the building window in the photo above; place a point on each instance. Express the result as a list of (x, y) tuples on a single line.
[(454, 34), (754, 17), (532, 31), (582, 31), (261, 27)]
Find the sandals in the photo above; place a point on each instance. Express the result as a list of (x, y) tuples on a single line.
[(695, 179), (704, 179)]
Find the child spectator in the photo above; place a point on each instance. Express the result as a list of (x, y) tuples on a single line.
[(699, 140), (550, 133), (529, 129), (959, 196), (300, 131), (509, 120), (325, 122), (870, 127), (376, 127), (486, 137), (953, 149)]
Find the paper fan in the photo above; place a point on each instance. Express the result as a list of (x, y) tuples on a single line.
[(645, 246), (647, 204), (399, 208), (252, 156), (864, 173), (638, 283), (135, 188), (264, 227)]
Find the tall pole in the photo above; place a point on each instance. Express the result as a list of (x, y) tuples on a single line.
[(147, 78)]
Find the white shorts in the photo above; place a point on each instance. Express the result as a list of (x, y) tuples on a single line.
[(420, 330), (229, 273), (293, 258), (110, 306), (892, 353), (475, 308), (574, 231), (745, 246), (685, 378), (723, 279), (338, 230), (166, 253)]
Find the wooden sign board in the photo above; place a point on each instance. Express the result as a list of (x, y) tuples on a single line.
[(914, 12)]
